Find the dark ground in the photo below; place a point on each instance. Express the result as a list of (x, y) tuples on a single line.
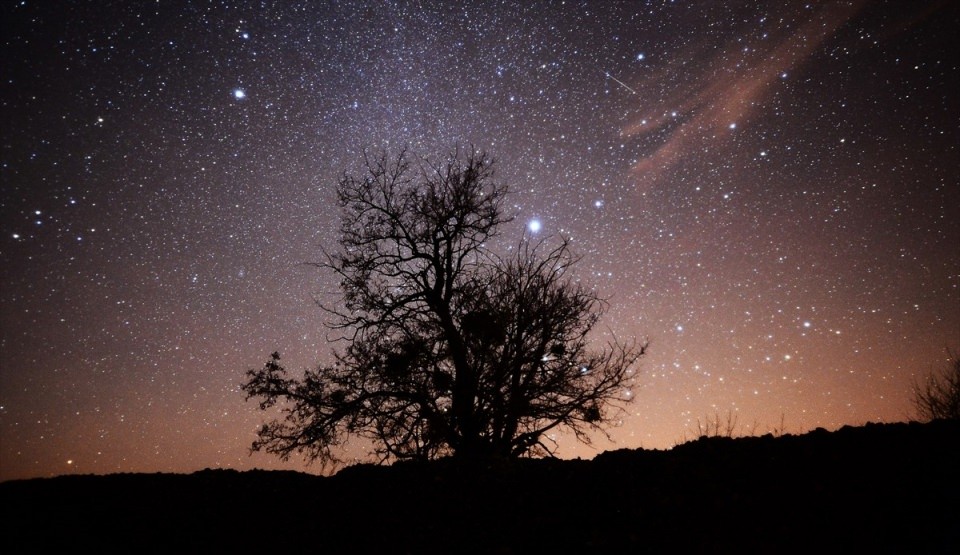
[(891, 488)]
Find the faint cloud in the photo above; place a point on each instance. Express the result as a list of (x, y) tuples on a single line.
[(711, 92)]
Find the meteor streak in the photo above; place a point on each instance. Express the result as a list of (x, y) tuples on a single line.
[(624, 85)]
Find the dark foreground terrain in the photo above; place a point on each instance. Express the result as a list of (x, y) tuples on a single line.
[(879, 488)]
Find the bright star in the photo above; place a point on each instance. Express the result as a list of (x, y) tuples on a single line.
[(534, 226), (239, 94)]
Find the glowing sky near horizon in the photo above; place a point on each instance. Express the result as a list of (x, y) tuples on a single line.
[(767, 191)]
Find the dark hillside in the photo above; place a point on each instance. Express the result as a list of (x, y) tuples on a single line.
[(878, 488)]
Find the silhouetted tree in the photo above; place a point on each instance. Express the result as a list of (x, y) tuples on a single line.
[(938, 396), (451, 348)]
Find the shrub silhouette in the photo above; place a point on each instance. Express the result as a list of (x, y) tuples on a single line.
[(938, 396), (451, 347)]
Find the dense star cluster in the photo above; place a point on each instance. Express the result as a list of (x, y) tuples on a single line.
[(768, 191)]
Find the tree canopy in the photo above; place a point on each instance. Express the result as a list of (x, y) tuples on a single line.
[(451, 347)]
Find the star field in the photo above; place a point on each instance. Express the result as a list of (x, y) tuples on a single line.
[(769, 192)]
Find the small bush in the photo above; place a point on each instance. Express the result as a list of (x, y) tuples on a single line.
[(938, 396)]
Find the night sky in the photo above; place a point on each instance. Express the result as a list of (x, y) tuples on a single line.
[(768, 191)]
